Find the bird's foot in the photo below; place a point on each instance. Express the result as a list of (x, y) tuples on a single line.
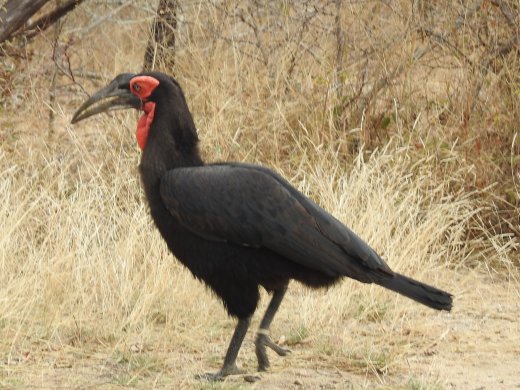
[(220, 374), (263, 340)]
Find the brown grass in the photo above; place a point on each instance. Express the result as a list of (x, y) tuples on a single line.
[(89, 294)]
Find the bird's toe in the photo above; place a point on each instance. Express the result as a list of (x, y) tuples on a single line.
[(219, 375), (263, 341)]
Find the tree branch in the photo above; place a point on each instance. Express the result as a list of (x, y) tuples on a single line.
[(49, 19), (15, 14)]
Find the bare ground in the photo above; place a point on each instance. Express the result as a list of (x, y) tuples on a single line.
[(477, 346)]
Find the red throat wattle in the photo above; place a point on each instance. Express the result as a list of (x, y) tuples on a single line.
[(142, 87), (143, 126)]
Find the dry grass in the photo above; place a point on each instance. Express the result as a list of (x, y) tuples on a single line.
[(84, 270), (90, 296)]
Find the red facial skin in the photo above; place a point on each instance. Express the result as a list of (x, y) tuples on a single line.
[(143, 87)]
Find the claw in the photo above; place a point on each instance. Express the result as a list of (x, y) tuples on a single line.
[(275, 347), (262, 341)]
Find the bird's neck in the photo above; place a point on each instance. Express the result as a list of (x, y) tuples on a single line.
[(164, 152), (155, 162), (172, 142)]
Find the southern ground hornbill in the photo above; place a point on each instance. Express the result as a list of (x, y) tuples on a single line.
[(238, 226)]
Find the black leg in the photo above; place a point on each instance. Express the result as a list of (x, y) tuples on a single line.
[(262, 336), (230, 367)]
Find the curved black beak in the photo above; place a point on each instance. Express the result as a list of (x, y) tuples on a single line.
[(115, 96)]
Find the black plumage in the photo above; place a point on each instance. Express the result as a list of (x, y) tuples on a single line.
[(240, 226)]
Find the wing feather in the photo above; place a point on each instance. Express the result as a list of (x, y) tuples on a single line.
[(253, 206)]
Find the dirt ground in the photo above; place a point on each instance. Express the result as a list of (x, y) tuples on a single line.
[(476, 346)]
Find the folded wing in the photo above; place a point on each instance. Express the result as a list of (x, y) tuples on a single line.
[(253, 206)]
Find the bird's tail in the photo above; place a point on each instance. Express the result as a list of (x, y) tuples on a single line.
[(420, 292)]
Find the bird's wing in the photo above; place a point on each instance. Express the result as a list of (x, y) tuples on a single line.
[(253, 206)]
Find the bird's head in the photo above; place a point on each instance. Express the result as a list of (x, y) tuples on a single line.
[(158, 95)]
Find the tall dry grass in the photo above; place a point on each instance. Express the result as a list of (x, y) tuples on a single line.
[(83, 272), (83, 266)]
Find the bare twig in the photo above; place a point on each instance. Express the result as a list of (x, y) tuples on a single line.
[(418, 54)]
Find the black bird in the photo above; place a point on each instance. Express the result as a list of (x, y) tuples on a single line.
[(239, 226)]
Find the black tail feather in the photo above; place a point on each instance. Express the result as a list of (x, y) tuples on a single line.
[(420, 292)]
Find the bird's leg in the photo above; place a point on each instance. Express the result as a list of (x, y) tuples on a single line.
[(229, 367), (262, 337)]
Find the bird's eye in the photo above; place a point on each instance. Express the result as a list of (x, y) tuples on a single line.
[(137, 87)]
